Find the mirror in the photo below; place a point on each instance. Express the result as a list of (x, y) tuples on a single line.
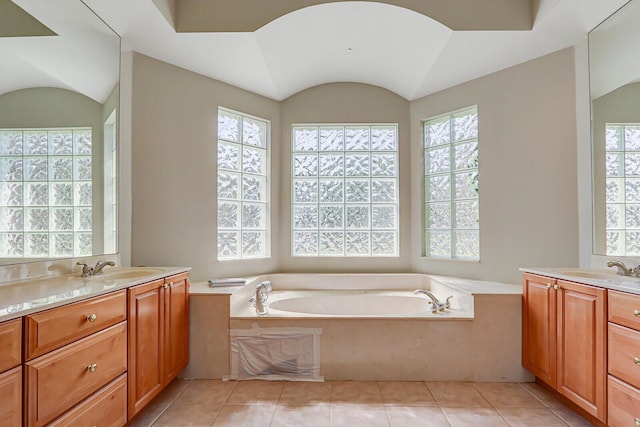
[(59, 104), (614, 77)]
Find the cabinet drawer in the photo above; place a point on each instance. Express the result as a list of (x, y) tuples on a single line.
[(59, 326), (624, 404), (10, 344), (11, 398), (59, 380), (624, 309), (624, 354), (106, 408)]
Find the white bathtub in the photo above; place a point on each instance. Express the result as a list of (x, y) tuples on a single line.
[(373, 326)]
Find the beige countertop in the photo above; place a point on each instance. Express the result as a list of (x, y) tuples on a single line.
[(601, 278), (33, 295)]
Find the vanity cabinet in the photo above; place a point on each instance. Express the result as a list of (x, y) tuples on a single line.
[(71, 353), (564, 326), (158, 337), (624, 359), (10, 373)]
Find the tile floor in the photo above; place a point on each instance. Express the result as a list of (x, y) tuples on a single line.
[(354, 404)]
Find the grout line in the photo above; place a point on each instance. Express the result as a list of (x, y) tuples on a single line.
[(170, 403)]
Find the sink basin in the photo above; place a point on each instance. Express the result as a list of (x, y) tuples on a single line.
[(597, 275), (122, 273)]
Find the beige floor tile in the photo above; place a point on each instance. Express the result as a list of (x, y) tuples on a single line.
[(206, 392), (191, 416), (416, 416), (543, 395), (355, 392), (476, 417), (508, 395), (306, 393), (406, 393), (244, 416), (256, 393), (531, 417), (457, 395), (356, 415), (570, 417), (297, 416), (160, 404)]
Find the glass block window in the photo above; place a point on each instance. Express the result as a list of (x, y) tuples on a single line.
[(451, 212), (243, 196), (46, 205), (345, 190), (622, 165)]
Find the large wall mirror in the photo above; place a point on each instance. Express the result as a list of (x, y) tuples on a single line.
[(614, 67), (59, 104)]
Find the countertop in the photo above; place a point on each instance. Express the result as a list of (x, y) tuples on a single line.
[(33, 295), (600, 277)]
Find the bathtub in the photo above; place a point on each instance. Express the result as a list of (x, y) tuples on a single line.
[(373, 326)]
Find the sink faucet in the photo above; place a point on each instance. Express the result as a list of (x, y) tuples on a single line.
[(436, 305), (622, 269), (261, 295), (92, 271)]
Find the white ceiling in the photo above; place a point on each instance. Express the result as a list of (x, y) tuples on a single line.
[(392, 47)]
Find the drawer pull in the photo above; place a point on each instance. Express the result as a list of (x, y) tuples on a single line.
[(637, 314), (556, 287), (166, 285), (92, 317), (549, 285), (636, 360), (92, 368), (637, 421)]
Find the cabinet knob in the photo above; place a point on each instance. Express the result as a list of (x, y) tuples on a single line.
[(92, 317), (166, 285), (636, 360), (92, 368), (556, 287), (549, 285), (637, 421), (637, 314)]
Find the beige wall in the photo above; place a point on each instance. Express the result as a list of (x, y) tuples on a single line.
[(174, 167), (528, 168), (619, 106), (345, 103)]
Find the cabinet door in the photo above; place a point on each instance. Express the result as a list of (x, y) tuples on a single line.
[(11, 398), (581, 346), (176, 325), (146, 344), (539, 327)]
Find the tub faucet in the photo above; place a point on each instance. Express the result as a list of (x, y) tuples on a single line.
[(261, 295), (622, 269), (436, 305)]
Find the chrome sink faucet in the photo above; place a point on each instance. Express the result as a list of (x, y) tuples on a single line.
[(93, 271), (436, 305), (622, 269)]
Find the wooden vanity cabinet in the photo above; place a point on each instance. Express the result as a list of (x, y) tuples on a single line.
[(10, 373), (564, 336), (624, 359), (158, 337)]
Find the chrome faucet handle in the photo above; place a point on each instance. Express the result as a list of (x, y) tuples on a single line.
[(86, 270), (448, 302)]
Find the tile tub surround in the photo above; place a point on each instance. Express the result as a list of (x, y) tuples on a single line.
[(483, 347), (354, 403)]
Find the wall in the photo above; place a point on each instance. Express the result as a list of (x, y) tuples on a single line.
[(174, 167), (528, 168), (618, 106), (345, 103)]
